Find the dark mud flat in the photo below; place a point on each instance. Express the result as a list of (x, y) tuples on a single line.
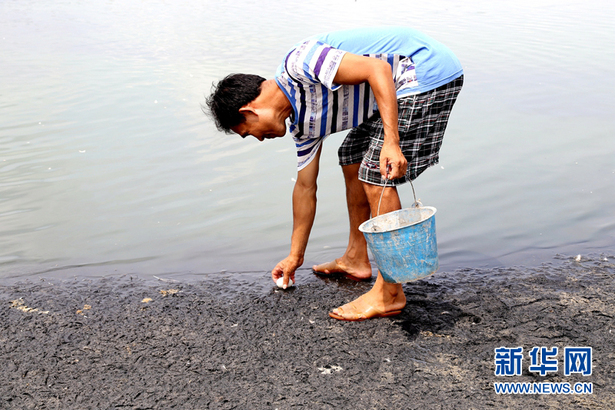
[(222, 344)]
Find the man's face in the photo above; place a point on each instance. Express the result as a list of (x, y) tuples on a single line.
[(261, 124)]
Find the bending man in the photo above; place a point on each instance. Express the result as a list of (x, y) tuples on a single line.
[(394, 88)]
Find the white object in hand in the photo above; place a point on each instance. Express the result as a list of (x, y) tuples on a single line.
[(280, 282)]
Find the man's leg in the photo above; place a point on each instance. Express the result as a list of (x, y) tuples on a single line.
[(355, 261), (384, 299), (423, 118)]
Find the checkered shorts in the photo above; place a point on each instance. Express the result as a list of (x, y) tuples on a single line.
[(422, 122)]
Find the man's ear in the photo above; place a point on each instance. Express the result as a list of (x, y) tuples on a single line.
[(248, 112)]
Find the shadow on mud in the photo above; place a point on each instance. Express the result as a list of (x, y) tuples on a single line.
[(428, 312)]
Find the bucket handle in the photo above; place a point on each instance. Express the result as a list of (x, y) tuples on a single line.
[(416, 204)]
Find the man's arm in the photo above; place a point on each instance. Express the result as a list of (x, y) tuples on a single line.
[(304, 210), (355, 69)]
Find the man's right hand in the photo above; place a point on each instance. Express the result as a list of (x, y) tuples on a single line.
[(304, 210), (286, 268)]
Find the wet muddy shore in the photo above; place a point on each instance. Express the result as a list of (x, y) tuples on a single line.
[(225, 343)]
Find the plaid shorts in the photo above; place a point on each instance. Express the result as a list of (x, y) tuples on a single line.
[(422, 122)]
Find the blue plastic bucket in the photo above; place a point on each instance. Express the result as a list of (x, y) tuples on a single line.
[(403, 243)]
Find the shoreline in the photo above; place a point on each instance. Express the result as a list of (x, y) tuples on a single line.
[(235, 343)]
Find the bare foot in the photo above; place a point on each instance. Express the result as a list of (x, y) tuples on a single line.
[(378, 302), (360, 271)]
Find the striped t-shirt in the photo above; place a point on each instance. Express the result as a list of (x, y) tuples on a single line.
[(321, 107)]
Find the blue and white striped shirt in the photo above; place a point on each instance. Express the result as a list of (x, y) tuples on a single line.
[(321, 107)]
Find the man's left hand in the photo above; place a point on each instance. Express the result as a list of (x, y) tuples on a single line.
[(393, 161)]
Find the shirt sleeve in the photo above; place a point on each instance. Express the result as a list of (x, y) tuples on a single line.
[(313, 62), (306, 150)]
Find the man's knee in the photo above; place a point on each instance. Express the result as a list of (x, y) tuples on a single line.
[(375, 192), (372, 190)]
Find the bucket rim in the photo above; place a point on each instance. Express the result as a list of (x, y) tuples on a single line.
[(371, 220)]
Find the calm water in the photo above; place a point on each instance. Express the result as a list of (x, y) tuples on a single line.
[(108, 166)]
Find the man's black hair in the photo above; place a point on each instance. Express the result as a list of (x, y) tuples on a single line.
[(229, 95)]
